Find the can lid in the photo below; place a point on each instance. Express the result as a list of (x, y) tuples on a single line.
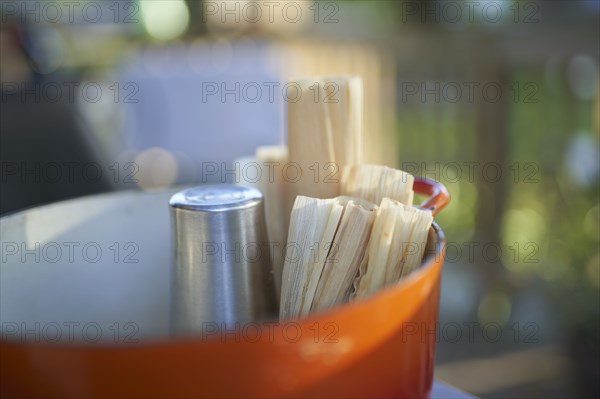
[(216, 198)]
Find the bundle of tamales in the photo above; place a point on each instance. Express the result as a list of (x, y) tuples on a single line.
[(349, 247), (348, 228)]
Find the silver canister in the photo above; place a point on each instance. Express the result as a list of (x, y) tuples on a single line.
[(222, 270)]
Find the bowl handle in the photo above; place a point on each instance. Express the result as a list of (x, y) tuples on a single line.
[(438, 193)]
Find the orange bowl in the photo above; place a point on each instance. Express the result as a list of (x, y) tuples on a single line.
[(382, 346)]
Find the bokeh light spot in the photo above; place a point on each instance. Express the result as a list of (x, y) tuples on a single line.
[(165, 20), (157, 168)]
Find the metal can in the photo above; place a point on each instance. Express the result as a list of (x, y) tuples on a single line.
[(222, 269)]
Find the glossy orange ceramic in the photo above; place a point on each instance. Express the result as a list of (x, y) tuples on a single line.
[(383, 346)]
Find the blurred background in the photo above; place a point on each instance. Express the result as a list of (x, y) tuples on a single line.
[(499, 100)]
